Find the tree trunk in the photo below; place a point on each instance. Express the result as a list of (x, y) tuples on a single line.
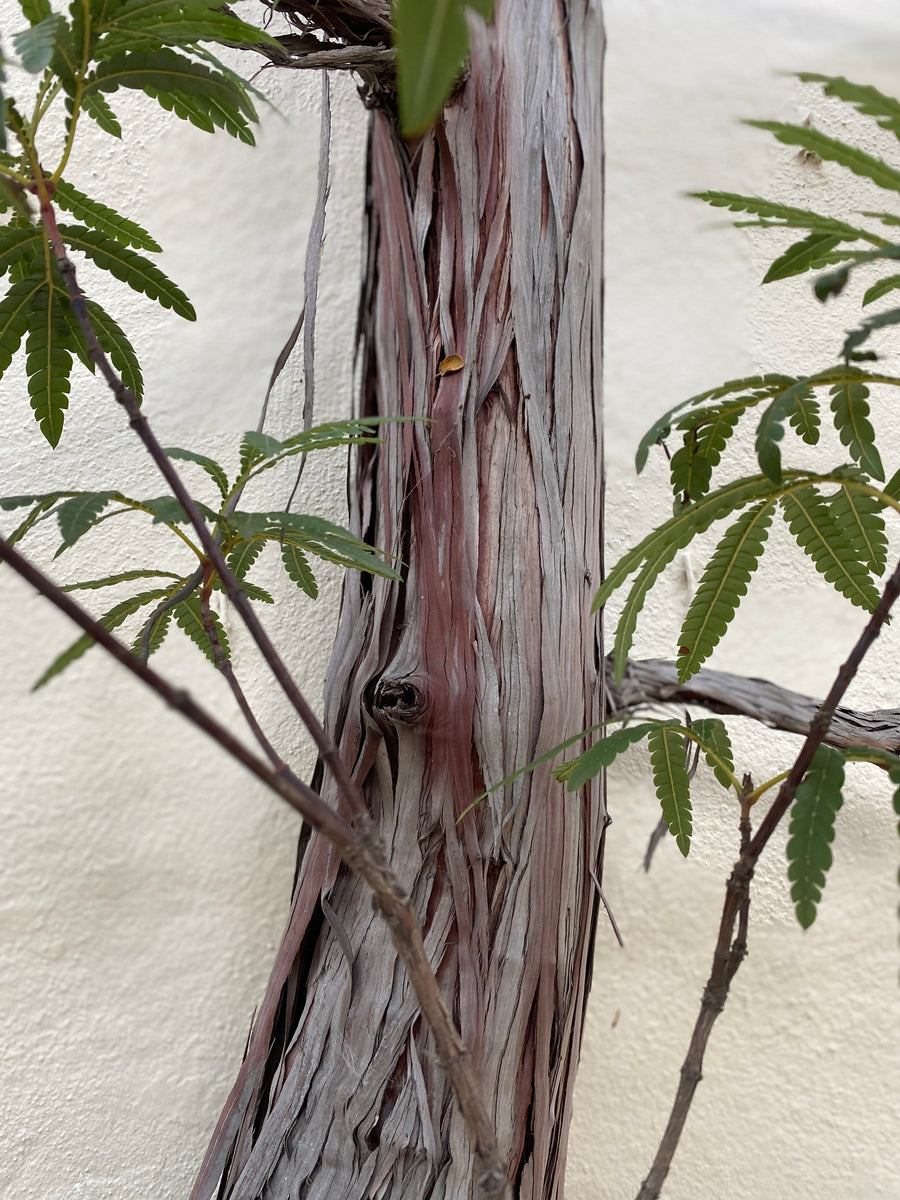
[(484, 242)]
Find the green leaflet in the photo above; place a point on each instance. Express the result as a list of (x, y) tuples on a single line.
[(104, 219), (78, 514), (297, 566), (129, 267), (809, 254), (49, 363), (183, 27), (768, 384), (209, 465), (706, 434), (812, 831), (168, 511), (654, 566), (15, 312), (35, 10), (189, 617), (860, 523), (716, 744), (183, 86), (97, 108), (811, 523), (123, 577), (16, 243), (432, 42), (770, 430), (110, 620), (36, 44), (723, 585), (851, 419), (805, 419), (670, 777), (868, 100), (118, 347), (160, 627), (327, 541), (833, 150), (243, 556), (889, 284), (785, 214), (603, 753)]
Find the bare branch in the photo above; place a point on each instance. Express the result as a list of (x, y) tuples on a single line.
[(656, 681)]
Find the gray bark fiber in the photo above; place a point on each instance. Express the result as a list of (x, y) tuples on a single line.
[(484, 243)]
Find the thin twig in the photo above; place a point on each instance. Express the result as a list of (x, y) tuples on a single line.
[(730, 953)]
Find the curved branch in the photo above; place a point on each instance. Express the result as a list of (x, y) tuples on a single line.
[(656, 681)]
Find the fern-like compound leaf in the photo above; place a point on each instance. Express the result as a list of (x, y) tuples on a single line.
[(110, 620), (716, 744), (851, 419), (833, 150), (189, 618), (152, 27), (297, 566), (670, 778), (187, 88), (103, 218), (653, 567), (860, 523), (48, 365), (578, 771), (722, 587), (129, 267), (213, 469), (35, 10), (811, 831), (166, 510), (810, 521)]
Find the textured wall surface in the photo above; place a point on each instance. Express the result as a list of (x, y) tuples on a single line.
[(143, 884)]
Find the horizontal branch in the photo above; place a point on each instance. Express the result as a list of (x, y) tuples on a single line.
[(656, 681)]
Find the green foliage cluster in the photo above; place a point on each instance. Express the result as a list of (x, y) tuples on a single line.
[(81, 59), (242, 535), (836, 515)]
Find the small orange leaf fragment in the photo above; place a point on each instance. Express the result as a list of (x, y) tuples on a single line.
[(450, 364)]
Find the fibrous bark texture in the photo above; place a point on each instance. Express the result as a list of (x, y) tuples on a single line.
[(484, 242)]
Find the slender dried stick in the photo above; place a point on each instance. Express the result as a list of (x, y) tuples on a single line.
[(729, 953)]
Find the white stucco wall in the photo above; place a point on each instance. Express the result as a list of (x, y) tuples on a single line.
[(143, 884)]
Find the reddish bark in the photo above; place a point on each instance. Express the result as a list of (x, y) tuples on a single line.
[(484, 242)]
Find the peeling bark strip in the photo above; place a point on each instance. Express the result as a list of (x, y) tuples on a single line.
[(484, 243)]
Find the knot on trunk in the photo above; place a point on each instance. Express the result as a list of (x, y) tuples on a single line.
[(400, 700)]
